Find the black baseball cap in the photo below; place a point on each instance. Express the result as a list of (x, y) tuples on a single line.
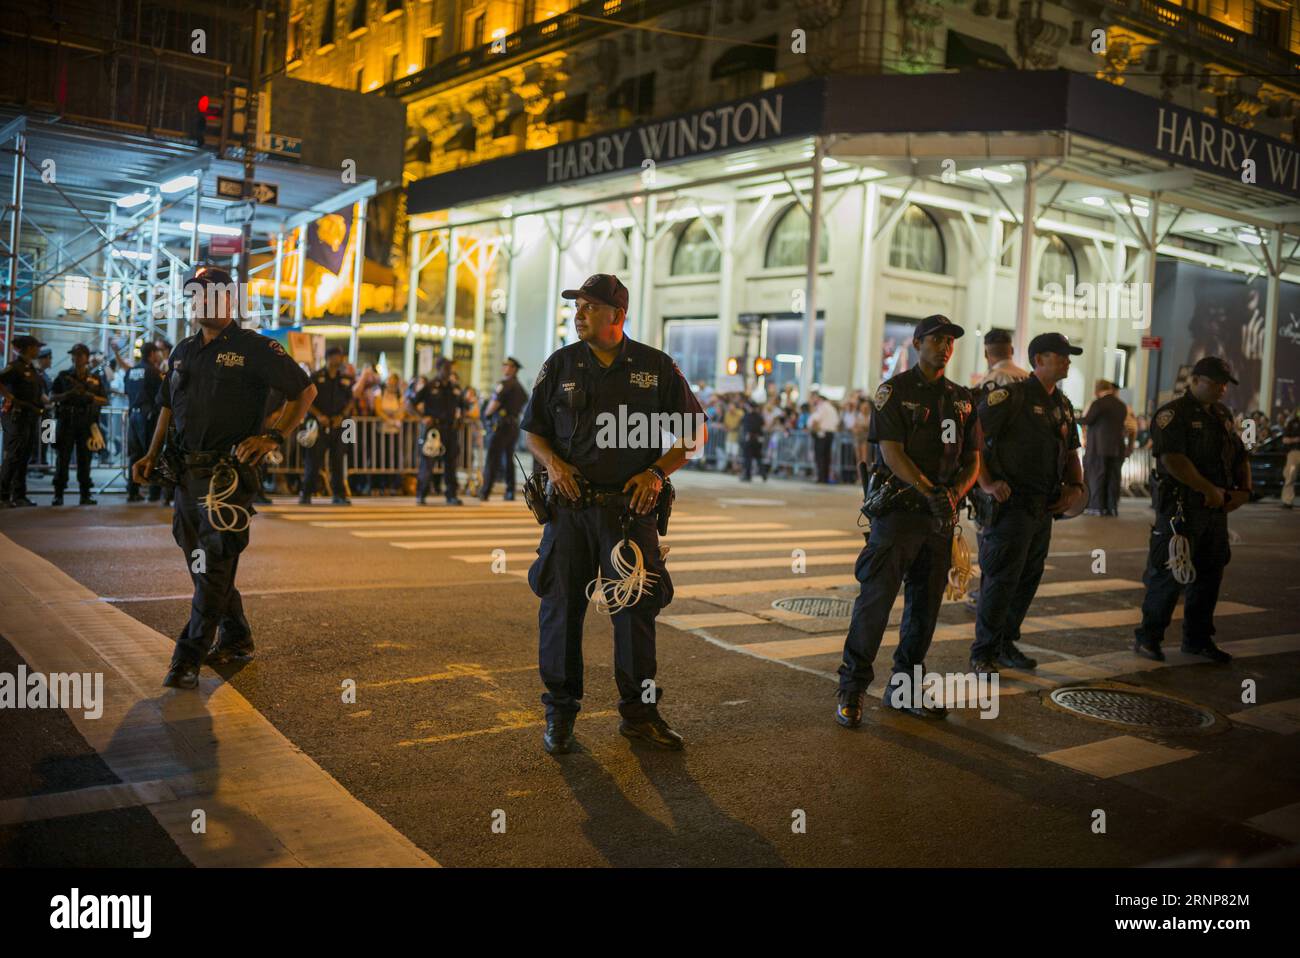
[(208, 275), (1052, 343), (45, 353), (79, 348), (1212, 367), (996, 337), (333, 350), (518, 364), (26, 342), (601, 288), (937, 323)]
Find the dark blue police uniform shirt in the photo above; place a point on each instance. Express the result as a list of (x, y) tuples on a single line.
[(1029, 434), (511, 398), (912, 411), (333, 392), (442, 400), (572, 389), (23, 380), (1204, 435), (142, 384), (217, 392), (78, 407)]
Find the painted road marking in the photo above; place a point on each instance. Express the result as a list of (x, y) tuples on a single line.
[(1121, 755), (1282, 822), (669, 540), (1281, 717)]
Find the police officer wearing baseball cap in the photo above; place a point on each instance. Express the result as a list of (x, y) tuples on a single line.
[(143, 381), (924, 431), (1030, 473), (23, 394), (333, 404), (215, 394), (598, 485), (78, 395), (440, 405), (1202, 474), (502, 416)]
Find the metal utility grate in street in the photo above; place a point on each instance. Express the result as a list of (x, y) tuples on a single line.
[(817, 606), (1132, 707)]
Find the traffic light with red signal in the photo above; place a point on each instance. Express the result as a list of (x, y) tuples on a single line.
[(209, 122)]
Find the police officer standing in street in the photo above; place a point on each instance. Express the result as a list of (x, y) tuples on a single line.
[(1202, 474), (333, 405), (604, 489), (143, 381), (215, 394), (1291, 446), (22, 391), (924, 429), (78, 395), (439, 406), (502, 413), (1030, 472)]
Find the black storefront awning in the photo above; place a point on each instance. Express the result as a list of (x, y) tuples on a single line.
[(570, 108), (744, 58), (971, 53)]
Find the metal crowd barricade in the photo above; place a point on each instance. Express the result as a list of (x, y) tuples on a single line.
[(1135, 474)]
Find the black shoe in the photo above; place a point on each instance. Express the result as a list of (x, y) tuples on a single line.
[(420, 501), (484, 496), (87, 500), (229, 654), (453, 501), (262, 499), (1148, 651), (509, 497), (182, 676), (304, 500), (558, 737), (1013, 658), (134, 497), (341, 501), (849, 710), (1209, 650), (914, 708), (983, 666), (655, 731), (57, 500), (21, 501)]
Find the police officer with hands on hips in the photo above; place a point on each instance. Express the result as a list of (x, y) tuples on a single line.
[(333, 404), (215, 394), (143, 381), (924, 430), (1029, 474), (602, 491), (22, 389), (439, 406), (78, 395), (502, 413), (1202, 474)]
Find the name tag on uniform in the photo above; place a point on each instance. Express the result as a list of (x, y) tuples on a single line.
[(569, 386), (1040, 410), (645, 380), (1197, 424), (230, 359)]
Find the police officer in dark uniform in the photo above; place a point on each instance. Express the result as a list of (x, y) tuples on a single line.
[(924, 429), (751, 444), (333, 404), (502, 413), (1030, 473), (439, 405), (215, 394), (23, 394), (604, 486), (143, 382), (78, 395), (1202, 474)]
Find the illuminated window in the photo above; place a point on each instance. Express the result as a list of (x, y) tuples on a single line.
[(392, 65), (917, 243), (695, 252), (297, 39), (359, 77), (788, 243), (76, 292), (1058, 264)]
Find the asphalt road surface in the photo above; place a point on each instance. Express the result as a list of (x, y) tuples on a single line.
[(427, 611)]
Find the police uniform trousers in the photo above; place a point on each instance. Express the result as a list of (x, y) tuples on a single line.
[(1103, 475), (575, 544), (822, 444), (1012, 553), (1289, 476), (751, 453), (21, 429), (903, 549), (71, 435), (140, 427), (216, 609), (450, 458), (500, 453), (328, 441), (1207, 533)]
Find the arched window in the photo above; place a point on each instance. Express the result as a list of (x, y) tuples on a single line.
[(787, 245), (917, 243), (695, 252), (1058, 264)]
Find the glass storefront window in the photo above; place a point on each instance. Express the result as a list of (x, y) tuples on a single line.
[(785, 339), (917, 243), (696, 253), (788, 243), (693, 344), (1058, 264)]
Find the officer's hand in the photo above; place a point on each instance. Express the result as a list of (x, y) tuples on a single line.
[(1236, 499), (941, 502), (644, 487), (564, 478), (1070, 496), (254, 449), (428, 421), (1215, 497), (999, 490), (141, 470)]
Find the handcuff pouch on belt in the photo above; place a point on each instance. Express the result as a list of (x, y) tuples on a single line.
[(884, 493), (535, 494)]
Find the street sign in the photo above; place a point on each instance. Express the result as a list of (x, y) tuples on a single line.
[(280, 144), (229, 188), (240, 212), (225, 245), (1151, 342)]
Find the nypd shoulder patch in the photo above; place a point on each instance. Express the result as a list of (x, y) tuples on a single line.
[(1164, 418), (996, 396), (883, 394)]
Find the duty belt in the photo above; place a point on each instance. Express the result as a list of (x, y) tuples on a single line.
[(590, 497)]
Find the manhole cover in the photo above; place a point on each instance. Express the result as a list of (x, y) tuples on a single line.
[(818, 606), (1132, 707)]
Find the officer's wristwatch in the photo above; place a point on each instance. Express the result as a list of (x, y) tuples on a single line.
[(663, 477), (274, 434)]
